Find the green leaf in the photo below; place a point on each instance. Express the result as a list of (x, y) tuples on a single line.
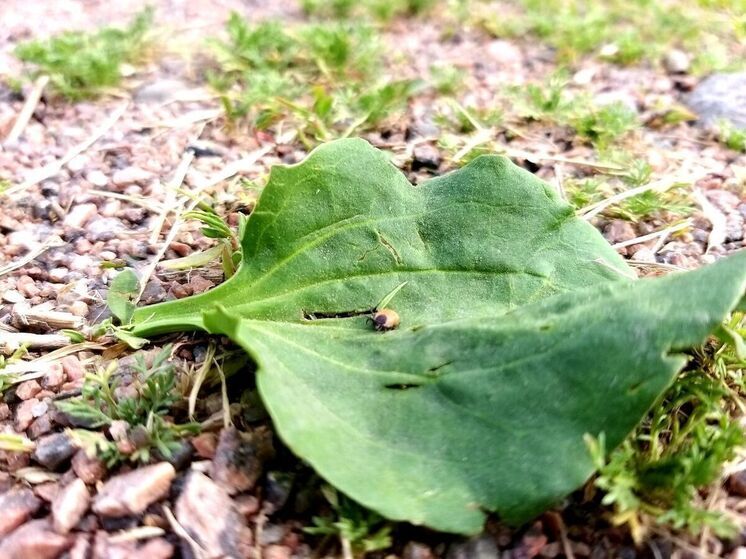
[(520, 333), (123, 289)]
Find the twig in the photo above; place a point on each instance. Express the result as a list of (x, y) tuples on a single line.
[(50, 170), (10, 341), (199, 379), (31, 255), (135, 534), (39, 316), (27, 110), (654, 235), (717, 219), (661, 265), (154, 207), (173, 185), (179, 530)]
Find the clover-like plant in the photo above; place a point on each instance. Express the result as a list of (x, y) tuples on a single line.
[(521, 331)]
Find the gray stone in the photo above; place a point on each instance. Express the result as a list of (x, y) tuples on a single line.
[(721, 96), (53, 450), (478, 547)]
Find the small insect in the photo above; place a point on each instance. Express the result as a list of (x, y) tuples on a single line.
[(385, 319)]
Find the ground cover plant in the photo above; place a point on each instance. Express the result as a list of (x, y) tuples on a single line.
[(487, 314), (81, 65)]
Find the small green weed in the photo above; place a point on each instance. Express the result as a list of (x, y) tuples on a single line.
[(680, 448), (359, 530), (144, 410), (321, 79), (734, 138), (382, 10), (82, 65)]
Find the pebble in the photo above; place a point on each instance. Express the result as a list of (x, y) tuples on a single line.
[(131, 175), (25, 414), (479, 547), (28, 389), (416, 550), (54, 377), (720, 96), (27, 287), (737, 484), (40, 426), (205, 445), (425, 156), (17, 506), (200, 284), (277, 552), (34, 540), (239, 460), (72, 367), (58, 275), (79, 215), (12, 296), (133, 492), (69, 506), (618, 231), (97, 178), (208, 514), (155, 548), (52, 451), (676, 62), (79, 308), (89, 469), (104, 229)]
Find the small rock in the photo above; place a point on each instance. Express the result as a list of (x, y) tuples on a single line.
[(28, 389), (738, 553), (40, 426), (676, 62), (425, 156), (34, 540), (54, 377), (97, 178), (79, 308), (416, 550), (25, 414), (72, 367), (155, 548), (53, 451), (16, 507), (161, 91), (27, 287), (277, 552), (104, 229), (181, 249), (47, 491), (81, 549), (80, 215), (618, 231), (58, 275), (133, 492), (154, 292), (720, 96), (200, 284), (209, 515), (478, 547), (131, 175), (205, 445), (69, 505), (737, 484), (89, 469), (239, 460), (644, 254)]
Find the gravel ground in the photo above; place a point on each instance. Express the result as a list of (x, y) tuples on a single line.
[(227, 492)]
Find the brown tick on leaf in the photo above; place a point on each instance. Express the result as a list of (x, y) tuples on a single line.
[(385, 319)]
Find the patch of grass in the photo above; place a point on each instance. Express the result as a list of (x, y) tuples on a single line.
[(144, 407), (82, 65), (603, 125), (321, 79), (680, 448), (359, 530), (624, 32), (382, 10), (446, 78)]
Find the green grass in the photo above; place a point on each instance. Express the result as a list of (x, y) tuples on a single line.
[(681, 447), (732, 137), (382, 10), (83, 65), (625, 32), (321, 79)]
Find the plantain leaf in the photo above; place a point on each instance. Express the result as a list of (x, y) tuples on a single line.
[(521, 331), (123, 289)]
